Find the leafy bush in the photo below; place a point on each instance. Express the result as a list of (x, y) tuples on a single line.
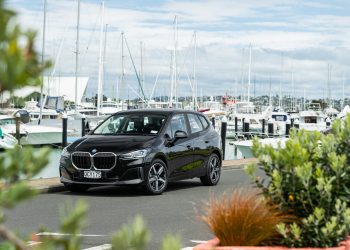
[(309, 178), (243, 218)]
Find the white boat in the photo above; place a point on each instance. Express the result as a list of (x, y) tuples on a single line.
[(34, 111), (245, 147), (159, 104), (31, 134), (344, 112), (110, 107), (312, 120), (7, 141), (279, 118)]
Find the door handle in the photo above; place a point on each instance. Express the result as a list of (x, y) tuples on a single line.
[(206, 141)]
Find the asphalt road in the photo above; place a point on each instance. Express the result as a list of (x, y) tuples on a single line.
[(110, 207)]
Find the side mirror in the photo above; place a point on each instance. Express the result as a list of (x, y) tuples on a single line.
[(180, 135)]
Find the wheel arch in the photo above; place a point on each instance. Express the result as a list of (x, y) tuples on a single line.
[(218, 153), (161, 157)]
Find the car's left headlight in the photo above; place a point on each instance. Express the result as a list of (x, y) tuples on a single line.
[(135, 154)]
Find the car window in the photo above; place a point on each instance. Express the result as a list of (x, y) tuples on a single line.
[(177, 123), (204, 121), (195, 123), (138, 124)]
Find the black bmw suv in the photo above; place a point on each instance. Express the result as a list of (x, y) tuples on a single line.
[(145, 147)]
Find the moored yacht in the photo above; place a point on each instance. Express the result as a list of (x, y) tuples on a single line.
[(312, 120), (31, 134), (110, 107), (6, 140)]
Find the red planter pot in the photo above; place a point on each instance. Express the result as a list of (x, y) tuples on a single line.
[(214, 245)]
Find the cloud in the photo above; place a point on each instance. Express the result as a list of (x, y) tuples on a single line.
[(310, 35)]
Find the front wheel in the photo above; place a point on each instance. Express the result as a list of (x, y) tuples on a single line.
[(156, 177), (76, 188), (213, 171)]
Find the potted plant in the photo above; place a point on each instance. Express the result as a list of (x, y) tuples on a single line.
[(308, 179)]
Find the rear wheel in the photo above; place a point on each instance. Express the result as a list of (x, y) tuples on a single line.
[(213, 171), (76, 188), (156, 177)]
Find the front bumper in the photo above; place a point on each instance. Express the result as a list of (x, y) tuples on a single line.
[(129, 172)]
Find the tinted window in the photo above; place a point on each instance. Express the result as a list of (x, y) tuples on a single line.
[(204, 121), (177, 123), (132, 124), (195, 123)]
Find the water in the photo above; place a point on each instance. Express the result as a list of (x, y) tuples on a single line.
[(51, 170)]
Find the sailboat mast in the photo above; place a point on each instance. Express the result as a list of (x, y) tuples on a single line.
[(42, 61), (343, 97), (194, 72), (100, 68), (270, 100), (122, 68), (175, 61), (280, 94), (104, 55), (141, 73), (77, 59), (329, 97), (249, 71), (293, 92)]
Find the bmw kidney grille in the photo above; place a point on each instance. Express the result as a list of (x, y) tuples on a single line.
[(101, 161)]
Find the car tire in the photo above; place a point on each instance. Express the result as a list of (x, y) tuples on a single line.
[(76, 188), (156, 179), (212, 171)]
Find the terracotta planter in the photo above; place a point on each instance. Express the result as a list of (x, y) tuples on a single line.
[(214, 245)]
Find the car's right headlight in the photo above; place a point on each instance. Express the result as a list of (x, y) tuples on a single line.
[(65, 153)]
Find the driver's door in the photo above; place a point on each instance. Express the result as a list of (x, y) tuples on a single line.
[(180, 153)]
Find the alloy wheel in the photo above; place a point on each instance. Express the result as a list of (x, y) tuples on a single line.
[(214, 169), (157, 177)]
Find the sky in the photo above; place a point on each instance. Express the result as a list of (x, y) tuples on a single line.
[(297, 47)]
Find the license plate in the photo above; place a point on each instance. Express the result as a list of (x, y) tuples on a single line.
[(92, 174)]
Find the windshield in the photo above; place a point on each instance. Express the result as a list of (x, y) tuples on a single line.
[(132, 124)]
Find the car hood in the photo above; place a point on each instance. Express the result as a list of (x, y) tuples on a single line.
[(111, 143)]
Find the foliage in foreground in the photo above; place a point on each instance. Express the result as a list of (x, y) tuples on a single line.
[(242, 218), (309, 178), (134, 236), (20, 66)]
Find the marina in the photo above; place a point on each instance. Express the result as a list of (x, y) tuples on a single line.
[(181, 124)]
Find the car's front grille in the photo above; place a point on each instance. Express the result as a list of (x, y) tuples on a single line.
[(82, 160), (101, 161), (104, 160)]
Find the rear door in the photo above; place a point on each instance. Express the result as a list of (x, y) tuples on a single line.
[(201, 149)]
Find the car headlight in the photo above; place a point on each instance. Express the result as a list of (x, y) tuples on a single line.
[(135, 154), (65, 153)]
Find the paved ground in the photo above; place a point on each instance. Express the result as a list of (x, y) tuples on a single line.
[(50, 185), (110, 207)]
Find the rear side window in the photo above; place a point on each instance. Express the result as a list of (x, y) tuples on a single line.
[(204, 121), (195, 123)]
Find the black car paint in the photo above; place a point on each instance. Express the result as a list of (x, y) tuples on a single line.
[(185, 158)]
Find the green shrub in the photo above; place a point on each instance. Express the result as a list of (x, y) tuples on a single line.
[(309, 178)]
